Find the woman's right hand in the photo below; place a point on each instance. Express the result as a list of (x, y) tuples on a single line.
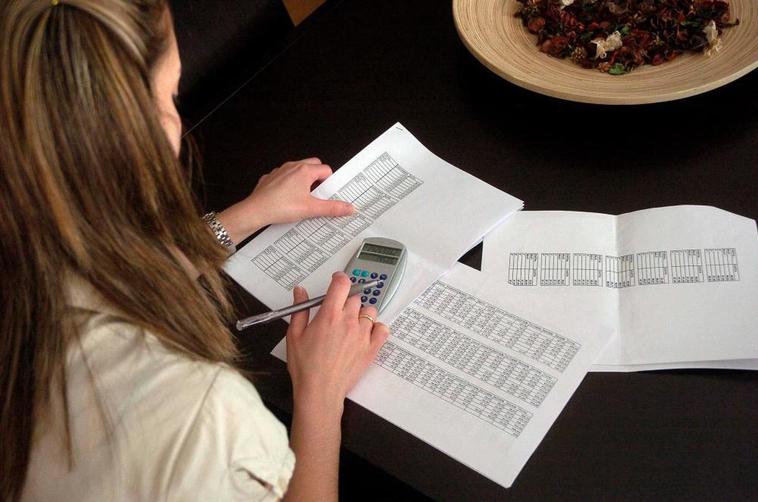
[(327, 357)]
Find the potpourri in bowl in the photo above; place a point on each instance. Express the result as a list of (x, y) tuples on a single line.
[(617, 36), (647, 51)]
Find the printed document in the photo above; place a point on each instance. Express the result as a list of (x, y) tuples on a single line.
[(400, 191), (476, 375), (677, 284)]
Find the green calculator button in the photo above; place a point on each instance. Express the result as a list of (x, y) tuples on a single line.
[(364, 273), (357, 272)]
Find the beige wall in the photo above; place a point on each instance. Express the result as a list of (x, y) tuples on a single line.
[(300, 9)]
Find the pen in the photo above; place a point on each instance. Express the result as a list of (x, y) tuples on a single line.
[(313, 302)]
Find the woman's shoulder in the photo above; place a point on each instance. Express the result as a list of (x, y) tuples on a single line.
[(120, 356), (200, 429), (253, 449)]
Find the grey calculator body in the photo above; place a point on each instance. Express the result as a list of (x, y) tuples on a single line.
[(378, 259)]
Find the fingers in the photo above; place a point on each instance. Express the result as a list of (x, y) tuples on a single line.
[(299, 320), (315, 171), (305, 165), (291, 164), (318, 172), (337, 293), (379, 334), (320, 207), (352, 306), (367, 324), (309, 160)]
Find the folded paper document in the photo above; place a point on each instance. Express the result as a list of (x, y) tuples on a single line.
[(476, 375), (400, 191), (676, 284)]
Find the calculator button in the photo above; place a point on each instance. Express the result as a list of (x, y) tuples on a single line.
[(364, 273), (361, 281), (377, 292), (374, 275), (363, 299), (356, 271), (372, 301), (380, 285), (353, 279), (367, 291), (383, 276)]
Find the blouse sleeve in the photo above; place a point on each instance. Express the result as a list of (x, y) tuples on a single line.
[(235, 449)]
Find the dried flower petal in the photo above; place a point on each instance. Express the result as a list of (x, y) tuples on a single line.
[(605, 45)]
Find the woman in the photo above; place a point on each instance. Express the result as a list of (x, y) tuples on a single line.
[(117, 377)]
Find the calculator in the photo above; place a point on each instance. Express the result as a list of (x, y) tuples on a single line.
[(378, 259)]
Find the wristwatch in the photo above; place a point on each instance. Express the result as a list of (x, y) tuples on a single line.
[(222, 236)]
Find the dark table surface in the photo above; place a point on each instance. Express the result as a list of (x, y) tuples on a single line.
[(359, 66)]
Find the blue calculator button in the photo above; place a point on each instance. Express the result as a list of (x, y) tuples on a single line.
[(353, 279), (374, 275), (380, 285), (376, 292), (383, 276), (361, 281), (367, 291), (356, 271), (363, 299), (364, 273), (372, 301)]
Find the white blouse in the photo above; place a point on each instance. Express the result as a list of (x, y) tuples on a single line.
[(149, 424)]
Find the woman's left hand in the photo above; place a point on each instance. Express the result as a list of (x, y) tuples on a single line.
[(282, 196)]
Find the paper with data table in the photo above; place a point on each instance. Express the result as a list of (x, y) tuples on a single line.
[(476, 375), (677, 284), (400, 191)]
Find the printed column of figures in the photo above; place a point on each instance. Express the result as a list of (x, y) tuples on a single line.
[(679, 266), (307, 245), (534, 342), (491, 383)]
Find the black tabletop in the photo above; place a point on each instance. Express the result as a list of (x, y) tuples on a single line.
[(355, 69)]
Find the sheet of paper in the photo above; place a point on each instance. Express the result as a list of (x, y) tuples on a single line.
[(681, 281), (476, 375), (725, 364), (401, 191)]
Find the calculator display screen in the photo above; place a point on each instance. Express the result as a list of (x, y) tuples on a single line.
[(374, 249), (389, 260)]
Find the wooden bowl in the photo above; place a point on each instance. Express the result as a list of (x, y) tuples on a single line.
[(498, 39)]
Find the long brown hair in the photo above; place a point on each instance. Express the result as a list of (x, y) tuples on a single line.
[(89, 185)]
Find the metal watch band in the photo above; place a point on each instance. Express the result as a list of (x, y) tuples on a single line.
[(219, 231)]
